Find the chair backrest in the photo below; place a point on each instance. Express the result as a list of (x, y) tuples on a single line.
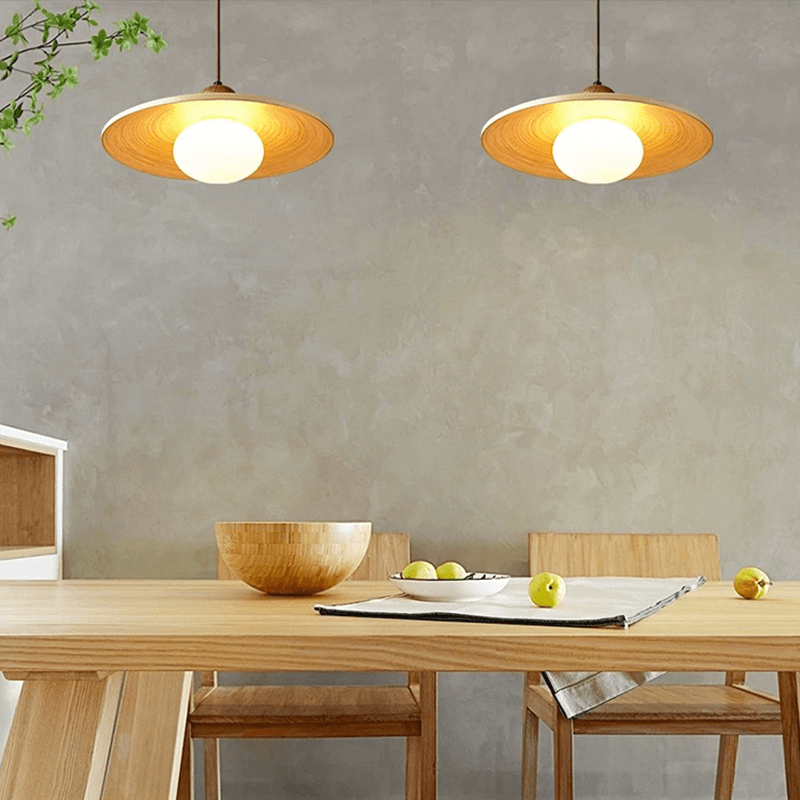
[(387, 553), (643, 555)]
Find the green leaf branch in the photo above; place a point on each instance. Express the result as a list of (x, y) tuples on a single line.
[(36, 41)]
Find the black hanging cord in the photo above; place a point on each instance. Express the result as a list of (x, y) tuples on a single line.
[(597, 43), (218, 82)]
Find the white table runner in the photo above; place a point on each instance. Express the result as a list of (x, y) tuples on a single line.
[(589, 602)]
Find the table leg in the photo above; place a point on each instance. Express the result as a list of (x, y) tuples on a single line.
[(97, 737), (60, 738), (148, 741), (789, 689), (186, 774)]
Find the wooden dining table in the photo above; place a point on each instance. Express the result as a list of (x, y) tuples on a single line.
[(107, 664)]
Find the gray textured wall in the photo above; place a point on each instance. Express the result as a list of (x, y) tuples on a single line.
[(409, 333)]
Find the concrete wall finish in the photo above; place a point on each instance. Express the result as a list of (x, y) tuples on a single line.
[(410, 333)]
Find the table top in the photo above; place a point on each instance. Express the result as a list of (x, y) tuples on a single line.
[(200, 625)]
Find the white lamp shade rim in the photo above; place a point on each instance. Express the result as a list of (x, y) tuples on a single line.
[(593, 97)]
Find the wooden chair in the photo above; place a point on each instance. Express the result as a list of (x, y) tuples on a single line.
[(728, 710), (310, 712)]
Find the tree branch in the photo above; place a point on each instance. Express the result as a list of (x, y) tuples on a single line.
[(37, 61)]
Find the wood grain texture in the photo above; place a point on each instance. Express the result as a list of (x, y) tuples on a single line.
[(142, 137), (530, 754), (186, 773), (148, 741), (8, 552), (563, 758), (727, 710), (726, 767), (28, 675), (203, 625), (387, 553), (302, 712), (211, 769), (27, 498), (224, 572), (530, 734), (292, 558), (522, 137), (789, 689), (60, 740), (421, 750), (728, 748), (687, 710), (539, 700), (326, 711), (652, 555)]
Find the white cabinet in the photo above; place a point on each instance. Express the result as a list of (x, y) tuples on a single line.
[(31, 505), (31, 522)]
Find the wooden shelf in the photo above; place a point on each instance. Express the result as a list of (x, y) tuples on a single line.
[(31, 495), (27, 497), (18, 551)]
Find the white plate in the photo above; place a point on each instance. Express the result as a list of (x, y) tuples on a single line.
[(474, 587)]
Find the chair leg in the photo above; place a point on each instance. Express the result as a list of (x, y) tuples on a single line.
[(186, 774), (562, 757), (728, 747), (421, 750), (211, 769), (726, 767), (530, 754), (789, 690)]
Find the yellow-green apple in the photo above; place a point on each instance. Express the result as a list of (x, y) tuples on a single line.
[(547, 589), (751, 583), (451, 571), (422, 570)]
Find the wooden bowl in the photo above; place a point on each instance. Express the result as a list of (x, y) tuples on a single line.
[(292, 557)]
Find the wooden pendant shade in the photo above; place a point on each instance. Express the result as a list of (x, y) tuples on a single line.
[(142, 137), (522, 137)]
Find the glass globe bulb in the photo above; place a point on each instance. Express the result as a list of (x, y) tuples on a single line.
[(597, 151), (218, 151)]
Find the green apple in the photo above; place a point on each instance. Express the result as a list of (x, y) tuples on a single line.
[(451, 571), (751, 583), (547, 589), (423, 570)]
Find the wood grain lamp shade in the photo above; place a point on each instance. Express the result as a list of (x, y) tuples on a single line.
[(143, 137), (596, 136), (522, 137), (217, 136)]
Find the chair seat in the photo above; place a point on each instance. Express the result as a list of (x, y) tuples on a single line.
[(241, 712), (700, 709)]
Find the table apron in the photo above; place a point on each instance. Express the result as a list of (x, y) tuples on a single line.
[(498, 653)]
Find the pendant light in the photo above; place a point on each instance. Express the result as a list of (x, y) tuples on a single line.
[(596, 136), (217, 136)]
